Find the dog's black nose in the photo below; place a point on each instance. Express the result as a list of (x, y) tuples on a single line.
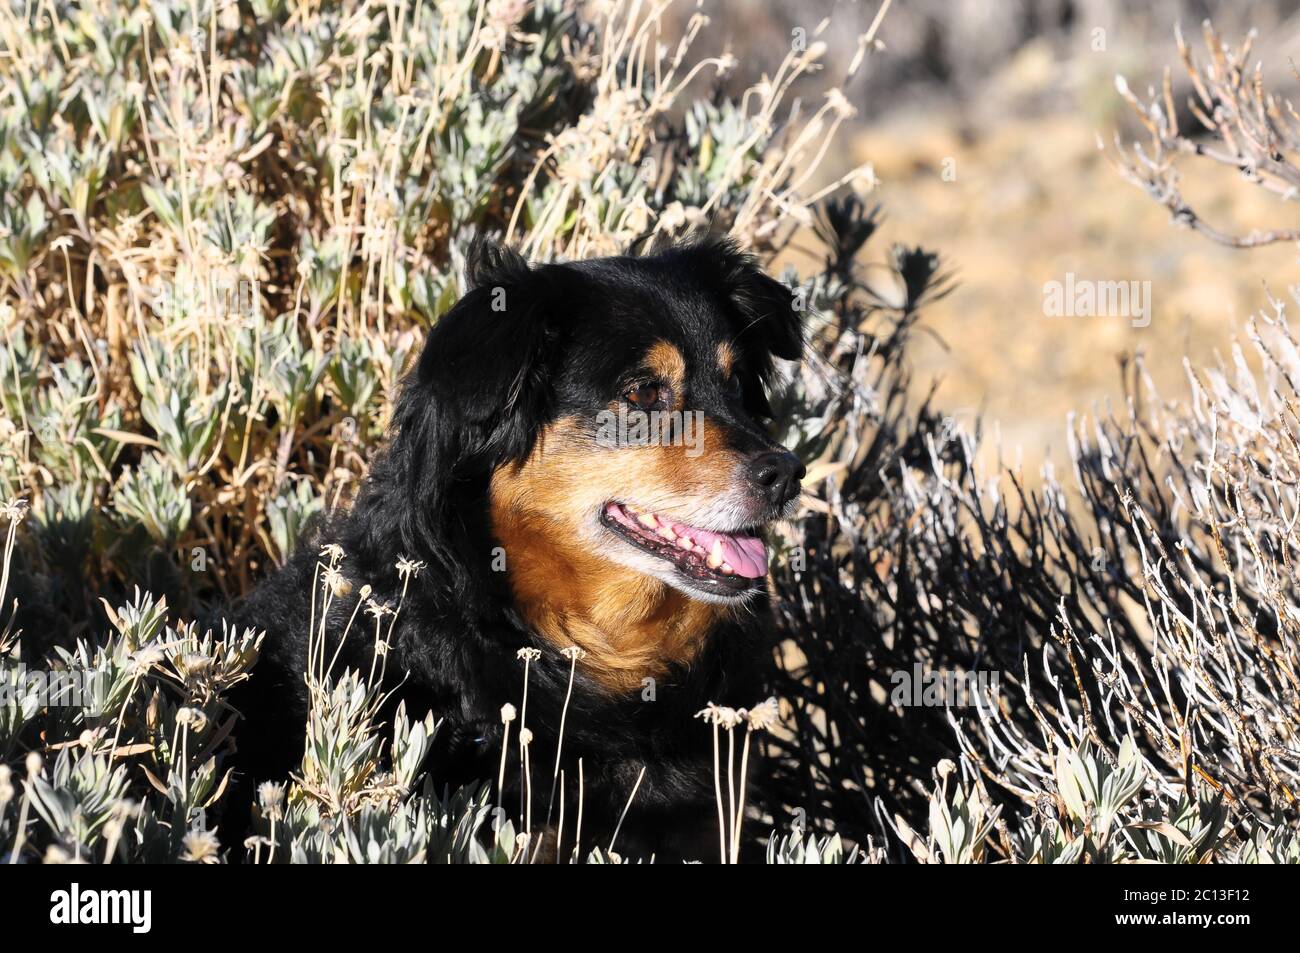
[(777, 476)]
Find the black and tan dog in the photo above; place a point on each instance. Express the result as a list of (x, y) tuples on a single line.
[(579, 459)]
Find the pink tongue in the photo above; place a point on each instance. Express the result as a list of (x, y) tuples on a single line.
[(746, 554)]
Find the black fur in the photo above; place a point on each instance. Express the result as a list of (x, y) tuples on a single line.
[(486, 383)]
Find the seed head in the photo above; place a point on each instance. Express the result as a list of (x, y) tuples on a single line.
[(408, 567), (144, 660), (200, 847), (764, 715), (719, 715), (335, 582), (192, 718), (377, 609), (270, 797)]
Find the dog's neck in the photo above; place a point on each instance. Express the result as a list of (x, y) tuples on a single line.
[(631, 626)]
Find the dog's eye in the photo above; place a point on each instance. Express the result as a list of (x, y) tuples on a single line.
[(734, 386), (647, 396)]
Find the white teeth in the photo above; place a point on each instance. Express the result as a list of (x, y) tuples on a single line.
[(727, 570), (666, 533), (685, 543), (715, 555), (699, 550), (647, 520)]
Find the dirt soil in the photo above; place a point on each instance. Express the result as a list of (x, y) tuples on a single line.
[(1024, 203)]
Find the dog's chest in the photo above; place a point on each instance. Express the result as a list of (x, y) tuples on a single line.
[(632, 627)]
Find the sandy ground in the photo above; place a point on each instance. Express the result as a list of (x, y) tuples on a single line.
[(1028, 202)]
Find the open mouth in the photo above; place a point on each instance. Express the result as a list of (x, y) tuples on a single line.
[(717, 563)]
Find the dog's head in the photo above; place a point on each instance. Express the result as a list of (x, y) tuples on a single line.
[(616, 409)]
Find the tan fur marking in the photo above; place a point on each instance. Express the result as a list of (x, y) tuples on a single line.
[(632, 626), (726, 359), (668, 364)]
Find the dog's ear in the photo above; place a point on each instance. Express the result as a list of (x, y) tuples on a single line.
[(476, 398), (770, 305), (488, 264), (480, 390), (767, 308)]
